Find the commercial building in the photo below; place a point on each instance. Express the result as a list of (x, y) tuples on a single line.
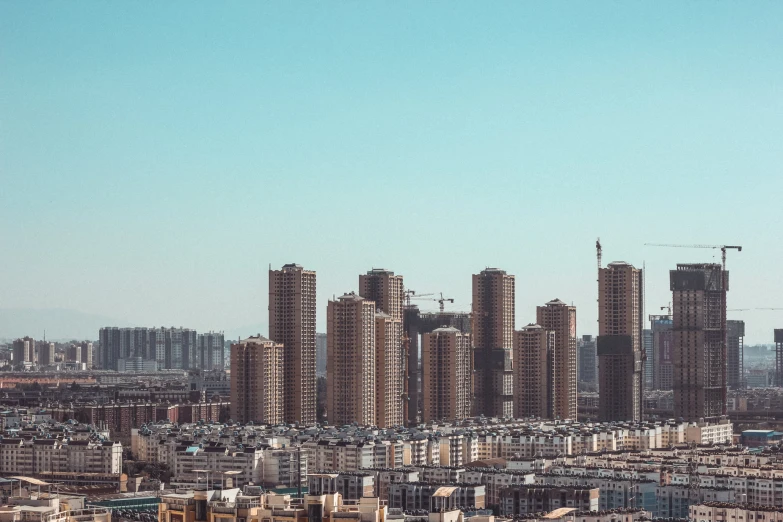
[(588, 360), (735, 349), (292, 323), (699, 315), (257, 380), (493, 341), (535, 379), (351, 359), (447, 371), (561, 318), (620, 356)]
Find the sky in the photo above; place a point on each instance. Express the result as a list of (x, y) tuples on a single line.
[(157, 157)]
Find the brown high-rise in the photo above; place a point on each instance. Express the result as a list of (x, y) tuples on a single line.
[(350, 360), (387, 291), (385, 288), (23, 350), (256, 381), (389, 371), (620, 323), (561, 318), (446, 374), (292, 323), (699, 314), (493, 341), (534, 372)]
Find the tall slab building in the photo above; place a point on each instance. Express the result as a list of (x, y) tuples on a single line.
[(535, 384), (699, 315), (350, 365), (620, 355), (292, 323), (493, 343), (447, 372), (387, 291), (735, 354), (256, 381), (561, 318), (663, 352)]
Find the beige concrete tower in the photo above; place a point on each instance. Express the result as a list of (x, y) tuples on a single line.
[(558, 316), (534, 372), (493, 340), (699, 315), (389, 368), (292, 323), (446, 359), (256, 381), (387, 291), (350, 360), (620, 323)]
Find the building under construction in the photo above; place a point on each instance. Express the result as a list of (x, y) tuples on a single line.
[(699, 315), (419, 323), (735, 348)]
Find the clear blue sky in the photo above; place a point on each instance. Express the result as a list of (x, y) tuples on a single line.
[(155, 157)]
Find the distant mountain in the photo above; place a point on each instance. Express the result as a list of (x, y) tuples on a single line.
[(59, 323)]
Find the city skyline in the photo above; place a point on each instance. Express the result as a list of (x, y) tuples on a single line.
[(168, 126)]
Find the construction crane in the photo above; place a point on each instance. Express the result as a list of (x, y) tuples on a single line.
[(668, 308), (598, 251), (411, 294), (442, 300), (723, 249)]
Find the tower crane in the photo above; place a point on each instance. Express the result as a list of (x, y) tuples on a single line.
[(723, 249), (411, 294), (442, 300)]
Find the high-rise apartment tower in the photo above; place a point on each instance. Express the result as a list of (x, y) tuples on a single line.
[(535, 385), (256, 381), (493, 342), (292, 323), (561, 318), (447, 371), (699, 314), (350, 365), (620, 355)]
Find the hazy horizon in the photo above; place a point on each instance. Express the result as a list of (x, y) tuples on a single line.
[(155, 158)]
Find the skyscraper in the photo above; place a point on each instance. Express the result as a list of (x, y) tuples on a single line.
[(350, 367), (292, 323), (387, 291), (389, 371), (560, 317), (85, 353), (535, 384), (493, 342), (699, 314), (320, 354), (620, 323), (735, 373), (447, 373), (256, 381), (588, 360), (648, 349)]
